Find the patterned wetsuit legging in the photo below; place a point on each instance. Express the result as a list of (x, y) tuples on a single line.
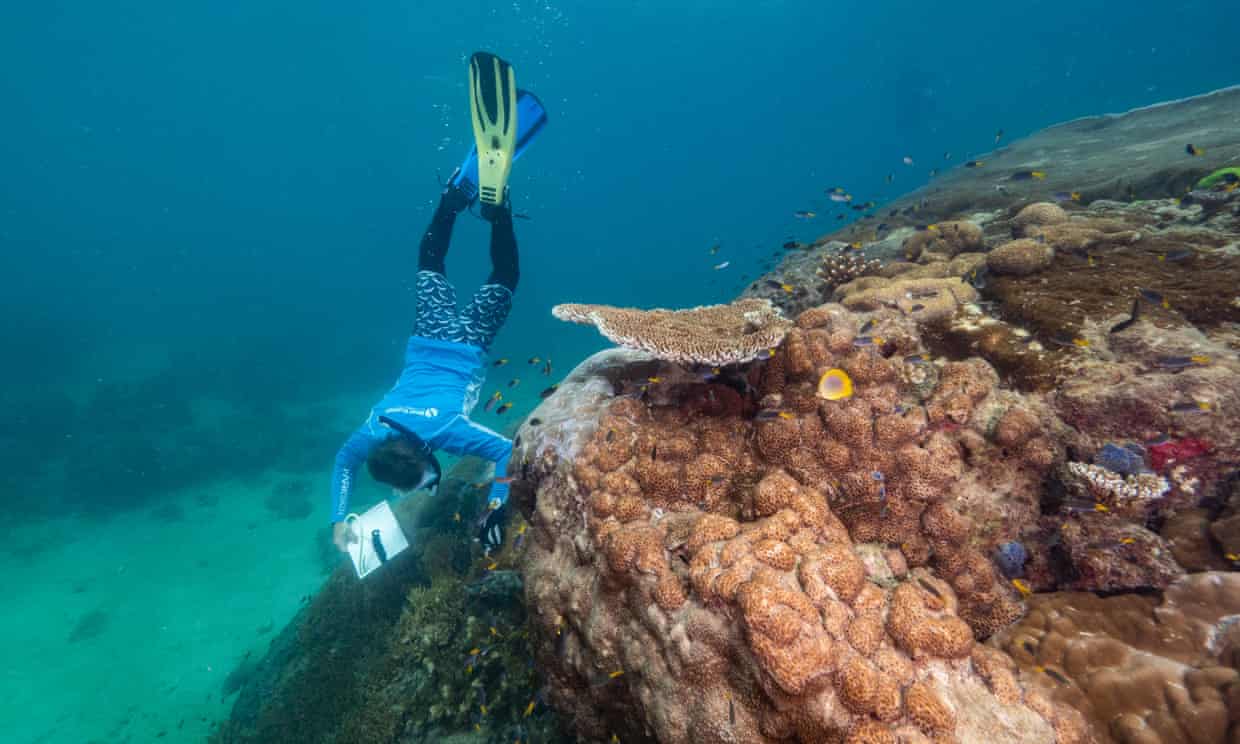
[(437, 314)]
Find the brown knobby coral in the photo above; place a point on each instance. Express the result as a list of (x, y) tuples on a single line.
[(734, 592), (711, 335)]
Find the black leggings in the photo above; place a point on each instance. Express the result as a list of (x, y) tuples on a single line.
[(504, 263)]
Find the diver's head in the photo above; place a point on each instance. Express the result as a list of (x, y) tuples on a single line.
[(401, 463)]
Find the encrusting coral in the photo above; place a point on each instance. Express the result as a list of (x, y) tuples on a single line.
[(925, 300), (1142, 669), (797, 572), (711, 335)]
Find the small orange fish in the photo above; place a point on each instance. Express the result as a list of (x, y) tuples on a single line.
[(529, 708), (492, 566), (1022, 587), (507, 479)]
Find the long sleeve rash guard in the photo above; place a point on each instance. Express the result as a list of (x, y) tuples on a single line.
[(433, 397)]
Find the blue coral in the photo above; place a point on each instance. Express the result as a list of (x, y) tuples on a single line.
[(1125, 460), (1011, 557)]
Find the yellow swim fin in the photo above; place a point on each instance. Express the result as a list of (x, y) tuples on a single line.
[(493, 108)]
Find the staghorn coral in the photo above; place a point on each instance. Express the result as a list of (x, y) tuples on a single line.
[(749, 613), (1140, 668), (712, 335), (1020, 257)]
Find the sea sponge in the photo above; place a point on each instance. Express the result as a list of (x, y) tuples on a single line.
[(1036, 215), (712, 335), (1020, 257)]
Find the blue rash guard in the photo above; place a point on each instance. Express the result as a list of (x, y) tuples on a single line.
[(437, 389)]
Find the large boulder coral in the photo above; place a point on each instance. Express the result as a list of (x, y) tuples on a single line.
[(798, 572)]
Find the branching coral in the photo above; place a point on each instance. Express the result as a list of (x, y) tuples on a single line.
[(713, 335), (839, 268)]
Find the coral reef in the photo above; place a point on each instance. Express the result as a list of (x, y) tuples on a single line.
[(925, 300), (840, 268), (1140, 668), (943, 241), (1020, 257), (718, 334), (721, 562), (428, 648)]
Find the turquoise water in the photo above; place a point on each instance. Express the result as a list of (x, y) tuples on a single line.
[(208, 226)]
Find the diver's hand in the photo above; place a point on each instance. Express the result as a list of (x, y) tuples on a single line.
[(491, 528), (342, 536)]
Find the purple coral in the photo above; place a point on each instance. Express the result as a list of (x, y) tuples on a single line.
[(1128, 459), (1011, 557)]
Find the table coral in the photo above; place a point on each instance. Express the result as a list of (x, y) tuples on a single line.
[(710, 335), (734, 594)]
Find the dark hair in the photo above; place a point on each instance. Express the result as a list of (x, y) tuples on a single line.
[(397, 462)]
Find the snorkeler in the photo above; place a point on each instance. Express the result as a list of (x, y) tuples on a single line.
[(428, 408)]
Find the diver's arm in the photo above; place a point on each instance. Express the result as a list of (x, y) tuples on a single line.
[(465, 437), (348, 459)]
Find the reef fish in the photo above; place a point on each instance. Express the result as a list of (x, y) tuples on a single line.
[(1181, 362), (1132, 317), (503, 409), (1027, 175), (1194, 150), (548, 392), (495, 398), (1063, 196), (804, 214), (835, 384)]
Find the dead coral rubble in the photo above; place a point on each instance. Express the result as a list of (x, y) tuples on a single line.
[(710, 577)]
